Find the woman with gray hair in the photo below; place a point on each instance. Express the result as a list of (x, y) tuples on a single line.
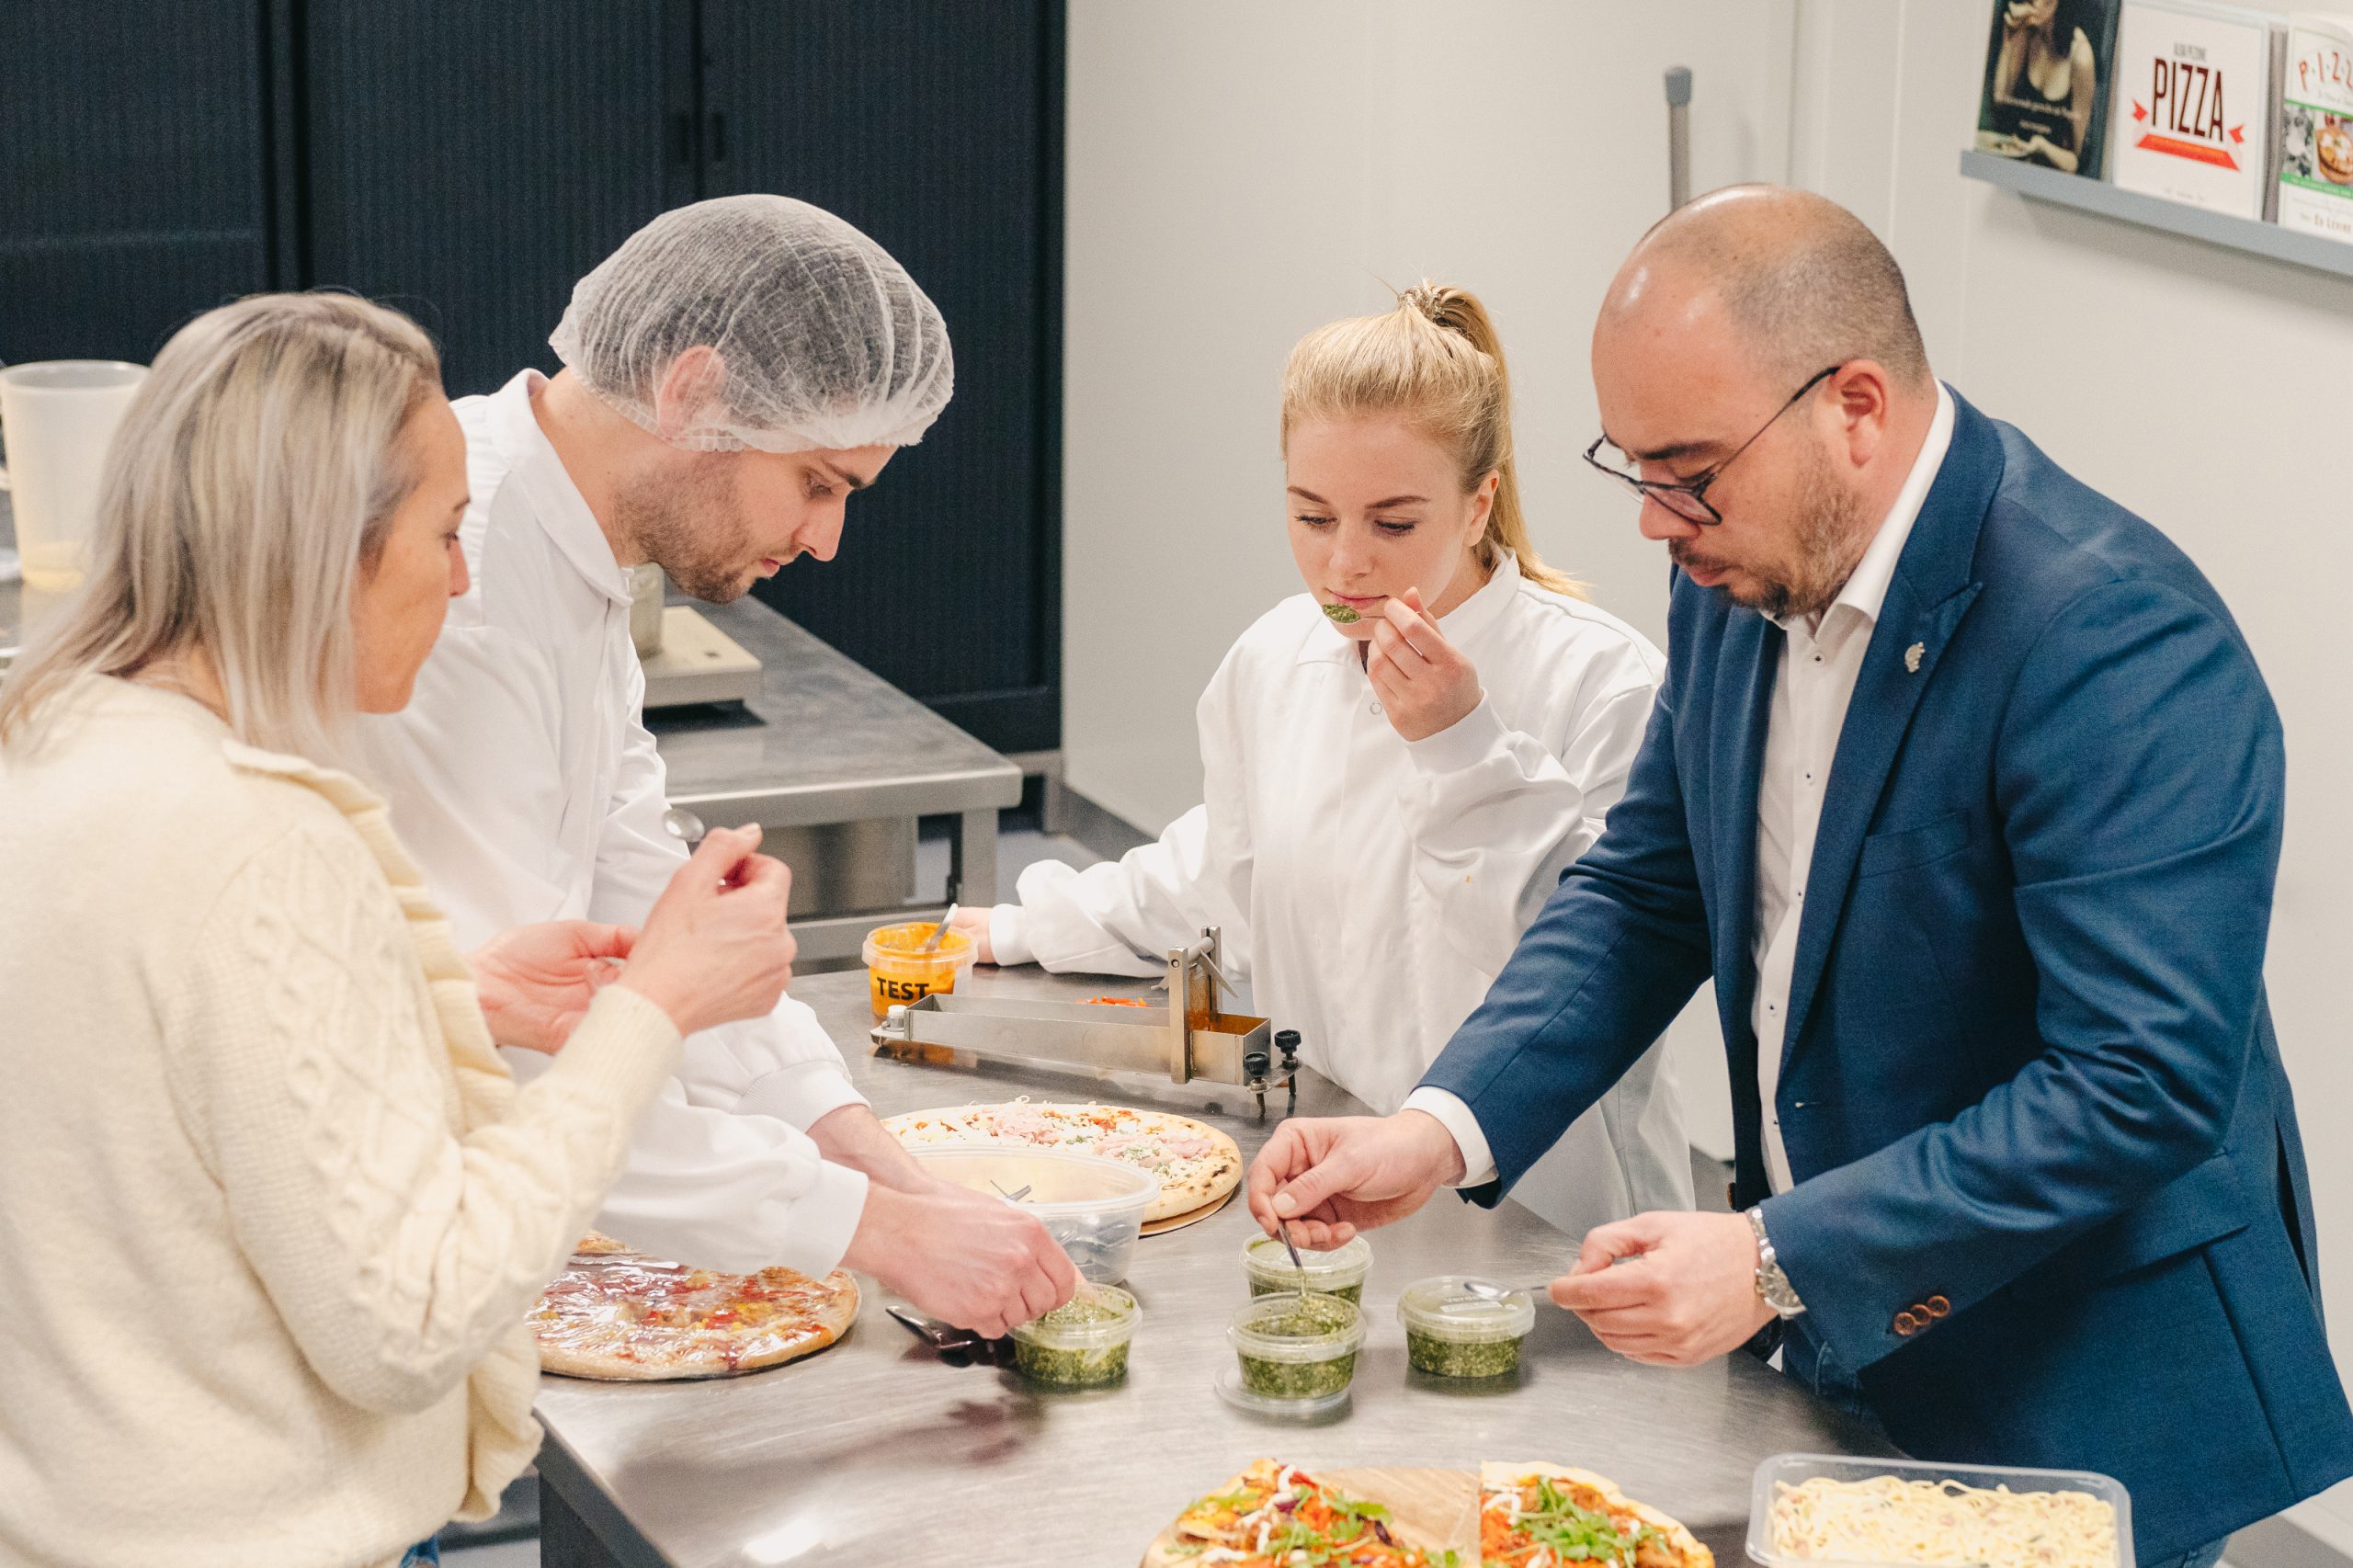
[(273, 1207)]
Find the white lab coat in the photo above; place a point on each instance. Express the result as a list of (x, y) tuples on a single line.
[(1371, 887), (525, 783)]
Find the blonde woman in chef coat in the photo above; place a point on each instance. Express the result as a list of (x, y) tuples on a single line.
[(1399, 761)]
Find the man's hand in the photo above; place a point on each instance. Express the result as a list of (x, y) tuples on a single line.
[(536, 981), (1332, 1177), (1425, 682), (978, 1262), (974, 923), (1673, 1290)]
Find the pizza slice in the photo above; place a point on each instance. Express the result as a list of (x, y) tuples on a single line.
[(1547, 1516), (1274, 1515)]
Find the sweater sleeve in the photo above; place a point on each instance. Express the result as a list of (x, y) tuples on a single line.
[(310, 1070)]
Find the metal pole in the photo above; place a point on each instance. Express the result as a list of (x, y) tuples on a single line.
[(1679, 136)]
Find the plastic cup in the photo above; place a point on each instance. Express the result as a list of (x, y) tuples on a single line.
[(1081, 1345), (1450, 1333), (1295, 1349), (898, 975), (57, 417), (1339, 1272)]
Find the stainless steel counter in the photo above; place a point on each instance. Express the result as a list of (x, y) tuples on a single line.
[(875, 1451)]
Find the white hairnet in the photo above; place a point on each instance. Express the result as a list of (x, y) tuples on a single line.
[(824, 339)]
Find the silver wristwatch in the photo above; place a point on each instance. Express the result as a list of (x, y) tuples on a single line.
[(1773, 1287)]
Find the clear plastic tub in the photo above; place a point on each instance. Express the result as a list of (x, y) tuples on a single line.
[(898, 974), (1297, 1350), (1339, 1272), (1450, 1333), (1092, 1206), (1081, 1345), (1794, 1469)]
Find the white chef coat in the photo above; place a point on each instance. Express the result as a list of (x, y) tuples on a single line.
[(1371, 887), (523, 781), (1821, 657)]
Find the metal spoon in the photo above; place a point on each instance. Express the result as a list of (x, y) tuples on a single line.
[(1292, 1247), (683, 826), (1016, 1195), (931, 944)]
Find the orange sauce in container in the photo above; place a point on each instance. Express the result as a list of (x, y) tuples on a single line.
[(898, 974)]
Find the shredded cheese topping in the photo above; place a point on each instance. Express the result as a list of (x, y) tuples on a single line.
[(1886, 1519)]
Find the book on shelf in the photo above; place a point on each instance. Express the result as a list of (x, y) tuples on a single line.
[(2048, 64), (2315, 135), (2195, 104)]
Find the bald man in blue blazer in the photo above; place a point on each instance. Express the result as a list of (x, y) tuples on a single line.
[(1965, 790)]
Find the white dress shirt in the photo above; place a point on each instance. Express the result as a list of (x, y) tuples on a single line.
[(1821, 657), (523, 781), (1371, 887)]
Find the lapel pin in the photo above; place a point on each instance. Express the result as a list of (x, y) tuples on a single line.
[(1912, 657)]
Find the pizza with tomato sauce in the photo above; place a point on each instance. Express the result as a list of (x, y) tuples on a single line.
[(618, 1314)]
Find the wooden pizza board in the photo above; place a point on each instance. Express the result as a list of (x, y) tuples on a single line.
[(1436, 1510), (1191, 1216)]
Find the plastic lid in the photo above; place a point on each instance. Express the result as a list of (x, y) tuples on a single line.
[(1442, 1308), (1271, 1328), (1266, 1258), (1082, 1330)]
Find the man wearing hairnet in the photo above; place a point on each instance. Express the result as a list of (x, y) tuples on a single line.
[(731, 374)]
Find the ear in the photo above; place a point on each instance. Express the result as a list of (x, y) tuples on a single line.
[(1482, 505), (1863, 393), (692, 383)]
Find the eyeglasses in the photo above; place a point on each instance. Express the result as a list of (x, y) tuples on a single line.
[(1689, 500)]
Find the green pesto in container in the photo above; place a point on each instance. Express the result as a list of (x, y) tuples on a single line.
[(1082, 1344), (1452, 1332), (1340, 1272), (1293, 1347)]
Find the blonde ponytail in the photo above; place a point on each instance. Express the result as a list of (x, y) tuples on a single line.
[(1435, 359)]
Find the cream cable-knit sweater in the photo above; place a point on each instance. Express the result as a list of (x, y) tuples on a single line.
[(271, 1211)]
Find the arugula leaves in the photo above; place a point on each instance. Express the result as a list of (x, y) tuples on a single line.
[(1577, 1534)]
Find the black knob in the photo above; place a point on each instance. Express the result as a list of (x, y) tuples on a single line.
[(1254, 1063), (1287, 1042)]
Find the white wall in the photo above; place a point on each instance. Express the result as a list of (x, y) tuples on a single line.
[(1241, 171), (2201, 387)]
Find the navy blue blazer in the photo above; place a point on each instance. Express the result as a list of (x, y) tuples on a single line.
[(2050, 1205)]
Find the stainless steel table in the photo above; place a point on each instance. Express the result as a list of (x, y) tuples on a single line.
[(875, 1451), (824, 743)]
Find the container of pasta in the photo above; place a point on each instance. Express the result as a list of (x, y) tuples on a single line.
[(898, 972), (1339, 1272), (1093, 1207), (1808, 1509)]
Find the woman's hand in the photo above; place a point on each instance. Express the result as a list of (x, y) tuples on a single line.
[(974, 923), (1425, 682), (714, 948), (536, 981)]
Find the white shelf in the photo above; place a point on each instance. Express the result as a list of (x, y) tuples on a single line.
[(2291, 245)]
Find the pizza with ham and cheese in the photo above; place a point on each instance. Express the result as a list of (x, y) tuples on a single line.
[(1196, 1163)]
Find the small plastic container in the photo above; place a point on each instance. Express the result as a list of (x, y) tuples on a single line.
[(1081, 1345), (898, 974), (1093, 1207), (1450, 1333), (1295, 1354), (1339, 1272), (1793, 1470)]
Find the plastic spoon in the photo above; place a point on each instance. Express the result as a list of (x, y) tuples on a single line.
[(683, 826), (931, 944)]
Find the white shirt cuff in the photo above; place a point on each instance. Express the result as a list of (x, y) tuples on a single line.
[(823, 1220), (1478, 1163), (799, 1094), (1008, 936), (1461, 743)]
